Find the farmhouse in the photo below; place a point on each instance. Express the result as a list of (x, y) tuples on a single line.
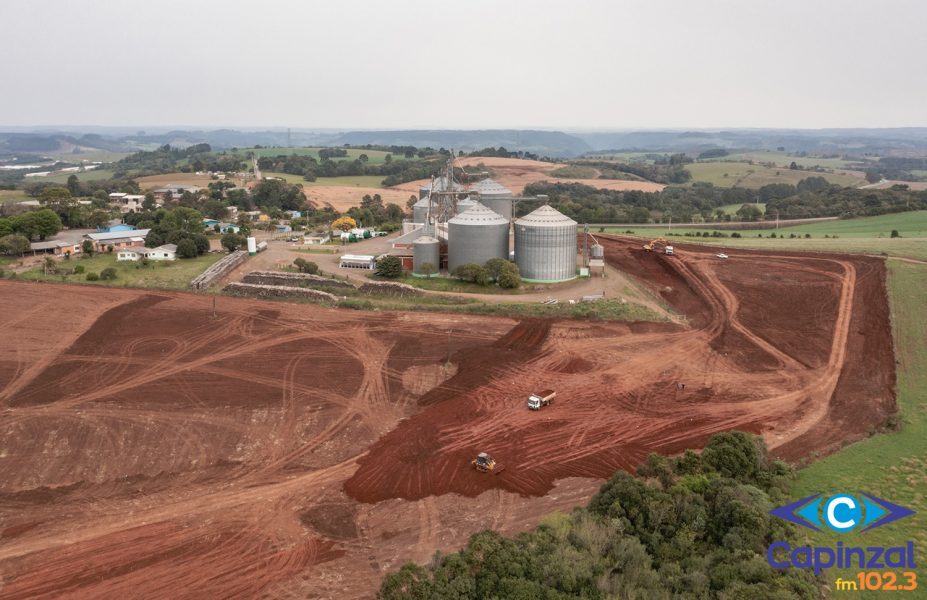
[(56, 247), (117, 239), (134, 253)]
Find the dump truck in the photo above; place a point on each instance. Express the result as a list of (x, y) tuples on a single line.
[(536, 401), (668, 251)]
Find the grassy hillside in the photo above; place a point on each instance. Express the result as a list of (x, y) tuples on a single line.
[(867, 235), (891, 466), (740, 174), (353, 180), (94, 175), (375, 156)]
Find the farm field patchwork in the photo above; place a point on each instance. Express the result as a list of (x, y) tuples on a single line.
[(287, 449), (740, 174)]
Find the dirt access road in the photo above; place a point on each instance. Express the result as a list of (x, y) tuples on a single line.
[(288, 450)]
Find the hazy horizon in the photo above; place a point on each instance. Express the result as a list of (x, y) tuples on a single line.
[(589, 66)]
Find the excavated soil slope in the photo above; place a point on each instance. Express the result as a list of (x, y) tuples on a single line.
[(149, 449)]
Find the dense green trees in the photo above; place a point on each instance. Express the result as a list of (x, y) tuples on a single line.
[(815, 198), (390, 267), (186, 248), (14, 244), (276, 193), (35, 224), (689, 527)]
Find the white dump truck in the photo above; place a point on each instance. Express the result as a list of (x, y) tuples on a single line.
[(669, 251), (536, 401)]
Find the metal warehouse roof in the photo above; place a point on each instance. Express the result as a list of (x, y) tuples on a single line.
[(118, 235), (545, 216), (479, 215)]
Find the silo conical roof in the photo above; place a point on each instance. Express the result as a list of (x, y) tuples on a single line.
[(545, 216), (479, 215), (490, 187), (423, 203)]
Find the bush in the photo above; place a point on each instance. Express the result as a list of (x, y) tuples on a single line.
[(895, 233), (108, 274), (92, 277), (735, 235), (474, 273), (390, 267), (306, 266), (79, 269), (232, 241), (509, 278), (186, 248)]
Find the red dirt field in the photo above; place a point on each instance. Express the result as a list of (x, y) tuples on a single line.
[(289, 450)]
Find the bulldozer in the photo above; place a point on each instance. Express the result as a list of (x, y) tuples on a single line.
[(649, 245), (484, 463)]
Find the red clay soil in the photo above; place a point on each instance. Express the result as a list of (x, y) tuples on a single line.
[(148, 449), (796, 347)]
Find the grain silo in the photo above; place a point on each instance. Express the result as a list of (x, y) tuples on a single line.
[(420, 210), (426, 249), (476, 236), (495, 196), (545, 245), (465, 204)]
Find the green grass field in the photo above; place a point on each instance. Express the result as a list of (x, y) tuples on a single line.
[(867, 235), (374, 181), (10, 196), (375, 157), (95, 156), (175, 275), (784, 159), (893, 465), (740, 174), (93, 175)]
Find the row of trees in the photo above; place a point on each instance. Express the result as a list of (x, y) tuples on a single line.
[(691, 527), (701, 202)]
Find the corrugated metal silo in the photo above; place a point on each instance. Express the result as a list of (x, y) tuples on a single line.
[(495, 196), (420, 211), (545, 245), (426, 249), (465, 204), (476, 236)]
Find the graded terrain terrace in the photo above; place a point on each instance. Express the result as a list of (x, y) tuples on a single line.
[(281, 450)]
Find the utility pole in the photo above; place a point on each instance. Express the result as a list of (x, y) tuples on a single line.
[(777, 220), (586, 245)]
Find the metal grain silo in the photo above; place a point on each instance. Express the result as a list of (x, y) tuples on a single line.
[(545, 245), (597, 251), (426, 249), (495, 196), (420, 210), (465, 204), (476, 236)]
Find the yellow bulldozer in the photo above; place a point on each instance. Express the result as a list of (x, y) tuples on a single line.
[(484, 463)]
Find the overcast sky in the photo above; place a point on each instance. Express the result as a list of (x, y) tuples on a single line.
[(390, 64)]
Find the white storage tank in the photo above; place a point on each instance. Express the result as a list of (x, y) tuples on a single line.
[(252, 246), (465, 205), (476, 236), (545, 245), (426, 249)]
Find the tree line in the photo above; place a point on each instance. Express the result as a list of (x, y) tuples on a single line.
[(701, 202)]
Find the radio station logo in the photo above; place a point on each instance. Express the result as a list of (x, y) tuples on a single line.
[(842, 512)]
